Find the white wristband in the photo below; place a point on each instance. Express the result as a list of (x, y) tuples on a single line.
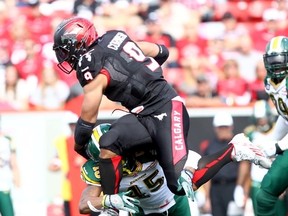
[(92, 208)]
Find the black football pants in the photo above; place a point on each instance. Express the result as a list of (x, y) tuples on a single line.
[(166, 130)]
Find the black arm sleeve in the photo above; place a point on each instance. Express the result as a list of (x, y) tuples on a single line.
[(82, 135), (83, 131), (162, 55)]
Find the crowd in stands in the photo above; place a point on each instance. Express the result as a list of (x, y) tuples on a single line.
[(216, 47)]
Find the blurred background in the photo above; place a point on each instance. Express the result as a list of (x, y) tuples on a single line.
[(215, 64)]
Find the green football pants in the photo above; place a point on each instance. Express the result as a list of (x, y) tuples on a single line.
[(273, 185), (280, 204), (6, 206)]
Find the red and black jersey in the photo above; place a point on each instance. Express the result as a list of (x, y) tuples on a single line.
[(133, 79)]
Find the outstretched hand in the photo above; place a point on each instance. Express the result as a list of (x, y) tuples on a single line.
[(121, 201)]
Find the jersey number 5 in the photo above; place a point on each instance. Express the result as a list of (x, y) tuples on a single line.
[(151, 183)]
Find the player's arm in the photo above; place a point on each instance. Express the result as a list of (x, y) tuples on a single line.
[(242, 189), (93, 93), (279, 138), (91, 195), (159, 52), (91, 198)]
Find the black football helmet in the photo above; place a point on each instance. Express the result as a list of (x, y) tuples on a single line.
[(71, 40), (276, 58)]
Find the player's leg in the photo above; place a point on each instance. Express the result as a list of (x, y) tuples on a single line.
[(181, 208), (238, 149), (6, 205), (281, 205), (168, 127), (209, 165), (273, 185), (125, 133)]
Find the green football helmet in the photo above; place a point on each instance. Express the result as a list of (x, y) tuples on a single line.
[(90, 173), (93, 149), (276, 58)]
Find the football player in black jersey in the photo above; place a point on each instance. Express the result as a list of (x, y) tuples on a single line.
[(128, 72)]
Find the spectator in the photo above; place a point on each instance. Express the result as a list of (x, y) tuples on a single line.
[(214, 58), (280, 7), (190, 72), (9, 174), (146, 7), (204, 96), (18, 35), (38, 21), (191, 44), (5, 24), (205, 8), (173, 15), (86, 8), (29, 62), (4, 54), (219, 190), (14, 91), (156, 34), (247, 58), (51, 92), (233, 88), (208, 62), (232, 32), (116, 14), (270, 28), (4, 60), (257, 87)]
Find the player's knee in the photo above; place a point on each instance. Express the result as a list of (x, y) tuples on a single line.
[(109, 145)]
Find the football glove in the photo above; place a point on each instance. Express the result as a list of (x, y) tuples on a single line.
[(121, 201), (185, 182)]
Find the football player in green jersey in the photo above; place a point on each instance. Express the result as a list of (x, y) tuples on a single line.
[(275, 182), (143, 189)]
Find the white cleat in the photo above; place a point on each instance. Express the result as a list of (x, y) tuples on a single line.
[(246, 150)]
